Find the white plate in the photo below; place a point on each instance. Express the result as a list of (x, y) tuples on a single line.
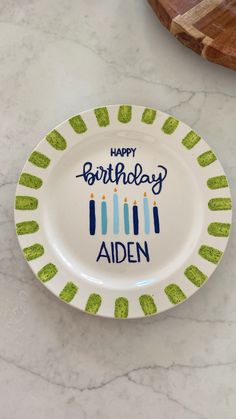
[(123, 211)]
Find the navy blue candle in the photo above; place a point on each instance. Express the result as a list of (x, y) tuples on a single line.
[(135, 218), (156, 218), (92, 216)]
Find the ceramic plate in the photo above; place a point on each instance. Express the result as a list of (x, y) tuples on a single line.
[(123, 211)]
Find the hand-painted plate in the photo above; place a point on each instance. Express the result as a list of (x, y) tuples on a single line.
[(123, 211)]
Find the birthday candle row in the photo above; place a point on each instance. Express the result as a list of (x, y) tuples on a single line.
[(134, 218)]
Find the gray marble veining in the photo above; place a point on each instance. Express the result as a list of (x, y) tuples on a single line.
[(60, 57)]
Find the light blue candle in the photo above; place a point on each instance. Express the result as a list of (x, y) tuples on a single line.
[(115, 213), (146, 214), (126, 216), (104, 215)]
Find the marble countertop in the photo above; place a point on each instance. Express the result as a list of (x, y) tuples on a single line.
[(60, 57)]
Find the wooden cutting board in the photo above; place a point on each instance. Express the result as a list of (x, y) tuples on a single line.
[(208, 27)]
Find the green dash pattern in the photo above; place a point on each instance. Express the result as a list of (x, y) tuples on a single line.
[(219, 229), (47, 272), (190, 140), (78, 124), (194, 275), (217, 182), (56, 140), (102, 116), (39, 160), (33, 252), (147, 304), (149, 116), (121, 307), (125, 114), (170, 125), (220, 204), (175, 294), (27, 227), (210, 253), (30, 181), (26, 203), (93, 303), (68, 292), (206, 158)]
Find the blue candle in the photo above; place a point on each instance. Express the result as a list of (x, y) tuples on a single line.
[(92, 216), (115, 213), (135, 218), (104, 215), (146, 214), (126, 216), (156, 218)]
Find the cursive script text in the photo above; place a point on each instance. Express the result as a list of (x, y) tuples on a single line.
[(117, 174)]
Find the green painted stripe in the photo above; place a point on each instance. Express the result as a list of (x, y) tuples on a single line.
[(39, 159), (149, 116), (219, 229), (26, 227), (47, 272), (194, 275), (93, 303), (217, 182), (56, 140), (206, 158), (220, 204), (68, 292), (170, 125), (210, 253), (30, 181), (190, 140), (102, 116), (121, 307), (125, 114), (147, 304), (175, 294), (26, 203), (78, 124), (33, 252)]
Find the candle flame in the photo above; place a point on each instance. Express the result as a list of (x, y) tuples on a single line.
[(91, 195), (115, 190), (145, 194), (103, 197), (135, 202), (125, 199), (154, 203)]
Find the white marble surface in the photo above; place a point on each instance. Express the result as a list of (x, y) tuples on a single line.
[(59, 57)]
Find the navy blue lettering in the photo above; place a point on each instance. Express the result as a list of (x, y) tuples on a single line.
[(105, 254), (118, 175)]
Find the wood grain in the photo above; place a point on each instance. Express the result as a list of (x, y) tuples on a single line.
[(208, 27)]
